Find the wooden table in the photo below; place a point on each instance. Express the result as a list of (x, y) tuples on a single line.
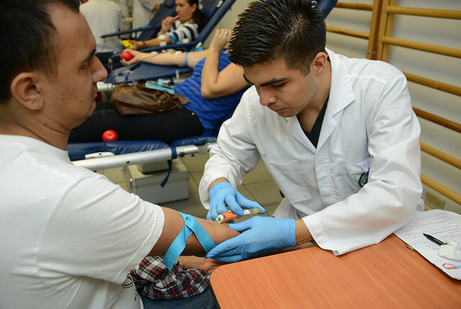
[(386, 275)]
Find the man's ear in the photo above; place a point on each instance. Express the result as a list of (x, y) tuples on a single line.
[(25, 89), (320, 63)]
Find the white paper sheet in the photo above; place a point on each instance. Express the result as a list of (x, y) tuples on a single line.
[(441, 224)]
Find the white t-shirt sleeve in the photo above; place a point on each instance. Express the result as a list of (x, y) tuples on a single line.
[(109, 230)]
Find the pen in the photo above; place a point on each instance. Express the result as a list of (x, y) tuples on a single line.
[(230, 215), (434, 240)]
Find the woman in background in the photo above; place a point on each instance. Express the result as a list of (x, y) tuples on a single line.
[(185, 25)]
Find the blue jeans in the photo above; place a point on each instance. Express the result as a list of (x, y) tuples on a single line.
[(202, 301)]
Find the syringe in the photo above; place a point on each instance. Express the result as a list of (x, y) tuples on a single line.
[(230, 215)]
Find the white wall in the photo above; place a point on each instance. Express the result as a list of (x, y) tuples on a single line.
[(442, 68), (229, 19)]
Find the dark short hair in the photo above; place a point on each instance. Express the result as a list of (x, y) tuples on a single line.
[(269, 30), (28, 37)]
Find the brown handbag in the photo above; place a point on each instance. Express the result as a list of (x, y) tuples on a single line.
[(140, 100)]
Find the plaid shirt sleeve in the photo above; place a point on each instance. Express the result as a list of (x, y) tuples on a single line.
[(153, 279)]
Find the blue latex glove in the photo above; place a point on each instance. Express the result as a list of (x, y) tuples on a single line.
[(260, 235), (223, 194)]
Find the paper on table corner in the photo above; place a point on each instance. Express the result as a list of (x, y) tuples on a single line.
[(441, 224)]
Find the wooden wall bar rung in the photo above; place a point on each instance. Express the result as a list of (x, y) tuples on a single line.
[(441, 189), (358, 34), (441, 155), (438, 120), (450, 14), (355, 6), (433, 84), (372, 50), (447, 51)]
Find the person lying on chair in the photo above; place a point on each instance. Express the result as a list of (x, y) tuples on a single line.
[(213, 91), (186, 25)]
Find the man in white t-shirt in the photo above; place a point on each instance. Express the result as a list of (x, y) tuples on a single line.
[(69, 236)]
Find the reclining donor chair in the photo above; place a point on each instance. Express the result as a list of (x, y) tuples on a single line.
[(213, 10), (147, 165), (167, 8)]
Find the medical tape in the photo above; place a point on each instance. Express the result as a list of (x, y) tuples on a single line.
[(191, 225), (173, 38), (174, 155), (159, 86), (187, 60)]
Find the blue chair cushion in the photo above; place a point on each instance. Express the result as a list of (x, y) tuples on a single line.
[(77, 151), (209, 7), (194, 140)]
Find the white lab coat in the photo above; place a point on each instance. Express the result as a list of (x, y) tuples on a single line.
[(368, 124)]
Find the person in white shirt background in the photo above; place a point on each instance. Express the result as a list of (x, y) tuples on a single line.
[(338, 135), (103, 17), (143, 11)]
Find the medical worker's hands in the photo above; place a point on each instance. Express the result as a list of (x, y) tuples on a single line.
[(260, 235), (222, 194)]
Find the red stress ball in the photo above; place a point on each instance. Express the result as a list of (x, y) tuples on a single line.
[(110, 136), (126, 55)]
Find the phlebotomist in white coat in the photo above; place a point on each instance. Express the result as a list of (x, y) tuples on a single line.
[(337, 134)]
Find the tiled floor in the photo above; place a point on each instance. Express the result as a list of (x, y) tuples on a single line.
[(257, 185)]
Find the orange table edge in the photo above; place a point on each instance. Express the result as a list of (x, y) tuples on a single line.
[(385, 275)]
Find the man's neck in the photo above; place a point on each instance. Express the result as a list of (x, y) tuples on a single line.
[(19, 123), (309, 114)]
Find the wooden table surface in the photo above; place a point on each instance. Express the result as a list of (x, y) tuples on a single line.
[(386, 275)]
